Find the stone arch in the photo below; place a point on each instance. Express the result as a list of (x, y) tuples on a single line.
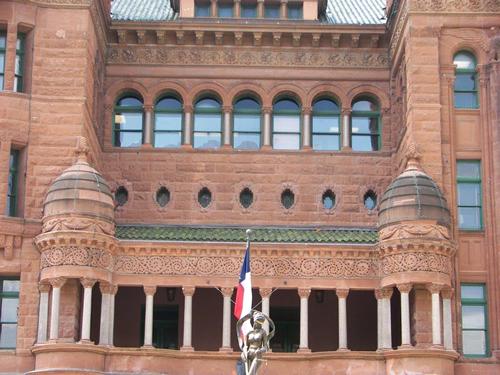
[(119, 88), (205, 88), (167, 87), (248, 88), (332, 91), (288, 89), (368, 90)]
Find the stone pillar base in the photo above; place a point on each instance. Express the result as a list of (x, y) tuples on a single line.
[(187, 349), (343, 350), (406, 346), (86, 342), (304, 350), (266, 148), (226, 349), (187, 147), (147, 347)]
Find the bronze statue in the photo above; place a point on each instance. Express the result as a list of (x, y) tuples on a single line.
[(256, 342)]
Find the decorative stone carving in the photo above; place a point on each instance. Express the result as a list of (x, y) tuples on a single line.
[(446, 293), (188, 290), (76, 256), (149, 290), (434, 288), (383, 293), (265, 292), (87, 283), (410, 261), (227, 292), (404, 231), (456, 5), (77, 223), (44, 287), (9, 243), (57, 282), (342, 293), (244, 56), (304, 292), (404, 288), (105, 287)]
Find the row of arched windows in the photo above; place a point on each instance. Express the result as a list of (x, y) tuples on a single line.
[(247, 125)]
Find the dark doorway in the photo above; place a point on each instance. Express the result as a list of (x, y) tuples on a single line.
[(287, 336), (166, 327)]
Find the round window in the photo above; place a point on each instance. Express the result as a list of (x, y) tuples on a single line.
[(204, 197), (162, 196), (287, 198), (328, 199), (370, 200), (246, 198), (121, 196)]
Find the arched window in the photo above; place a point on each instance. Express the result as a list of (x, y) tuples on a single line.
[(286, 125), (168, 122), (325, 125), (365, 125), (465, 80), (127, 122), (207, 123), (246, 124)]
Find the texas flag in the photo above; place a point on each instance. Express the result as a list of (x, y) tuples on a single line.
[(243, 304)]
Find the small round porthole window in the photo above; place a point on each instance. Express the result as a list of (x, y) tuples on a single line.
[(370, 200), (162, 196), (204, 197), (246, 198), (328, 200), (287, 198), (121, 196)]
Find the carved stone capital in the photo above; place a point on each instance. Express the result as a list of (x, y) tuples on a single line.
[(306, 110), (188, 108), (141, 36), (342, 293), (149, 290), (148, 108), (44, 287), (383, 293), (404, 288), (267, 109), (57, 282), (304, 292), (227, 109), (113, 290), (161, 36), (434, 288), (105, 287), (265, 292), (346, 111), (188, 290), (227, 292), (447, 293), (87, 283)]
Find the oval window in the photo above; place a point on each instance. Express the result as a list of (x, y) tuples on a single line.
[(287, 198), (370, 200), (246, 198), (121, 196), (162, 196), (328, 199), (204, 197)]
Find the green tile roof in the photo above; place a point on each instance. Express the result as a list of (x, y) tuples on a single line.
[(232, 234)]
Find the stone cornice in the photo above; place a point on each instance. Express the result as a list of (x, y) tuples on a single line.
[(466, 6), (245, 56)]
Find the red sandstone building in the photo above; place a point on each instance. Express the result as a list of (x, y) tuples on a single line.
[(360, 140)]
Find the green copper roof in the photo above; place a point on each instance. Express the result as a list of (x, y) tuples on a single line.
[(231, 234)]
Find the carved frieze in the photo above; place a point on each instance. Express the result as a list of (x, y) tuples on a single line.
[(456, 5), (412, 261), (76, 256), (74, 223), (414, 231), (185, 55)]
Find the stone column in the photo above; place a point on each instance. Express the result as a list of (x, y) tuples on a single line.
[(188, 126), (434, 289), (342, 297), (213, 8), (265, 294), (405, 289), (386, 321), (188, 317), (306, 129), (148, 125), (87, 284), (226, 320), (237, 9), (267, 125), (57, 284), (283, 10), (112, 295), (148, 317), (346, 129), (380, 318), (105, 298), (447, 322), (304, 319), (260, 8), (227, 126), (43, 313)]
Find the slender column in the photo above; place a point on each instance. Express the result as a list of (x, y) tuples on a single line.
[(105, 297), (226, 320), (304, 319), (188, 317), (213, 8), (342, 296), (260, 8), (447, 323), (148, 125), (405, 289), (346, 129), (380, 318), (57, 284), (87, 308), (306, 133), (265, 294), (43, 313), (188, 126), (283, 12), (387, 321), (267, 124), (237, 9), (148, 319), (434, 289), (112, 295), (227, 126)]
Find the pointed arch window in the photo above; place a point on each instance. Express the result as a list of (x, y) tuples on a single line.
[(325, 125), (207, 123), (128, 122), (465, 80), (246, 124), (168, 122), (365, 125), (286, 125)]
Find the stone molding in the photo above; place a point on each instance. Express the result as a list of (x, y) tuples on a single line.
[(87, 256), (469, 6), (78, 223), (241, 56), (413, 261), (414, 231)]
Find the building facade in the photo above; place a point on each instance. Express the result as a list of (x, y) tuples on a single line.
[(360, 140)]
